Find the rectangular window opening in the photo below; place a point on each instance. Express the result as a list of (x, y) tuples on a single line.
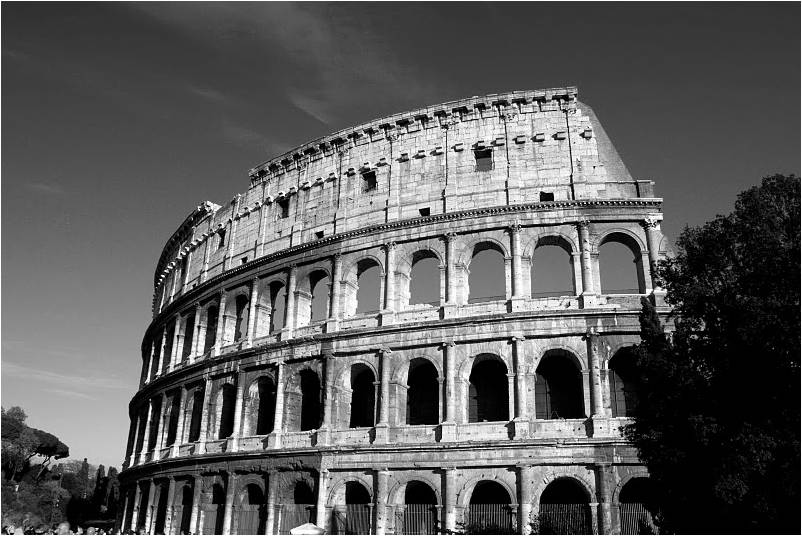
[(284, 208), (424, 211), (244, 260), (484, 159), (369, 181), (222, 241), (547, 196), (319, 234)]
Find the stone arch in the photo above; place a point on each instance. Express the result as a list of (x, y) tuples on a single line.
[(486, 283), (556, 272), (355, 301), (550, 237), (465, 493), (337, 489), (488, 389), (363, 396), (193, 413), (638, 473), (271, 305), (303, 404), (631, 241), (396, 494), (563, 507), (562, 472), (623, 381), (225, 400), (259, 405), (400, 372), (183, 498), (571, 351), (500, 350), (559, 387), (421, 278), (310, 293), (211, 312), (423, 392), (468, 248), (236, 314), (243, 481)]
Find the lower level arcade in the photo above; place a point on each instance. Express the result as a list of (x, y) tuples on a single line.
[(249, 497)]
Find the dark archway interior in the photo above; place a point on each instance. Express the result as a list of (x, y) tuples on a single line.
[(355, 493), (227, 401), (186, 508), (161, 510), (368, 287), (624, 383), (278, 302), (488, 492), (241, 311), (319, 288), (422, 393), (211, 328), (558, 388), (197, 414), (619, 269), (310, 400), (424, 284), (267, 406), (219, 500), (564, 491), (488, 392), (254, 495), (363, 396), (551, 273), (639, 490), (189, 335), (172, 426), (418, 492), (302, 493), (154, 428)]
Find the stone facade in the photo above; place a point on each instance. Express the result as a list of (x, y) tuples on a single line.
[(256, 413)]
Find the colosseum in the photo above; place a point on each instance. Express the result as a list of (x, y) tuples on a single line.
[(373, 337)]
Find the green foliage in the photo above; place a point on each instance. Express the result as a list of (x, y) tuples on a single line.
[(20, 443), (718, 423)]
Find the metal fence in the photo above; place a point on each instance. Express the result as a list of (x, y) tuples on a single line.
[(353, 519), (636, 519), (565, 519), (293, 515), (490, 519), (417, 519)]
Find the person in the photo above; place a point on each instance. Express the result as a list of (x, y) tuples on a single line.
[(63, 528)]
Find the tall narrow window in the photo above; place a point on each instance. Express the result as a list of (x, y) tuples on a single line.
[(222, 238), (211, 328), (197, 414), (552, 272), (310, 400), (284, 208), (368, 284), (424, 284), (226, 400), (319, 283), (278, 301), (267, 406), (558, 387), (486, 280), (488, 390), (189, 335), (621, 265), (363, 396), (422, 393)]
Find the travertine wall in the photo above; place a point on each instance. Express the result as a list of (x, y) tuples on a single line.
[(212, 340)]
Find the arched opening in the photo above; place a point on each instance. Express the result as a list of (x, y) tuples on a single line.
[(167, 354), (620, 265), (558, 387), (301, 510), (420, 513), (363, 396), (252, 510), (226, 401), (637, 503), (172, 426), (423, 401), (310, 400), (368, 287), (189, 335), (211, 328), (142, 513), (240, 317), (266, 408), (490, 511), (214, 512), (157, 354), (182, 511), (154, 423), (486, 278), (624, 383), (161, 510), (197, 414), (552, 271), (278, 306), (356, 516), (140, 434), (488, 396), (565, 508), (424, 279), (319, 288)]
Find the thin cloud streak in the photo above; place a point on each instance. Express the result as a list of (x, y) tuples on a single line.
[(44, 188), (73, 381), (71, 394)]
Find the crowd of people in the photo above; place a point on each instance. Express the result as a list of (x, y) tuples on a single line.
[(58, 528)]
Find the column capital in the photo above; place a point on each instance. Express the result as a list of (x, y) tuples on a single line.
[(384, 351), (583, 223), (450, 236), (448, 344), (517, 338), (591, 334), (197, 305), (338, 257), (515, 228), (255, 280), (652, 221), (293, 267), (389, 246)]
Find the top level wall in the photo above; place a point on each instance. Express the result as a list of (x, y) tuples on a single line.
[(424, 164)]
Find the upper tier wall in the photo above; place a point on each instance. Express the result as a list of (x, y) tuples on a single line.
[(404, 166)]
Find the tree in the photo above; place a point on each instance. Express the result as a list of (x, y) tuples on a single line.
[(21, 443), (718, 422)]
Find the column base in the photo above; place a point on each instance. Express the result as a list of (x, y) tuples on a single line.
[(601, 426), (518, 303), (322, 436), (382, 433), (520, 428), (449, 310), (448, 431), (274, 440), (588, 300), (285, 334), (332, 325), (232, 445), (386, 317)]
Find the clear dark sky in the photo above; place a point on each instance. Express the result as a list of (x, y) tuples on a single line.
[(118, 119)]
